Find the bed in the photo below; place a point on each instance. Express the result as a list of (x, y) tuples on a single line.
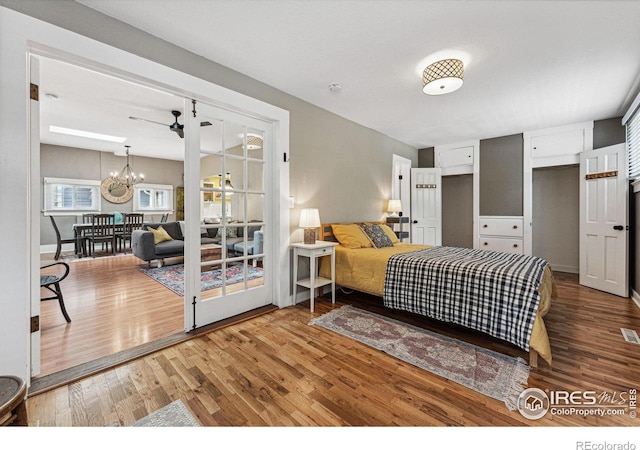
[(380, 271)]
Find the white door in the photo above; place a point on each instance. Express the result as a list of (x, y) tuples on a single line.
[(227, 196), (603, 220), (426, 206), (34, 113)]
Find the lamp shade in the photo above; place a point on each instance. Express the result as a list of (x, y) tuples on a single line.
[(443, 77), (395, 206), (309, 218)]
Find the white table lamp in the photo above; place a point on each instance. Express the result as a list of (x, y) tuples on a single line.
[(309, 220), (395, 207)]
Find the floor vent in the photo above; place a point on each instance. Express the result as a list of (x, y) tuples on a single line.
[(630, 335)]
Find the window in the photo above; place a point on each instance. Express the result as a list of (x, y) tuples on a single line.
[(69, 195), (153, 197)]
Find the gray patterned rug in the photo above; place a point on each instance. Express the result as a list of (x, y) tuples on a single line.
[(175, 414), (490, 373)]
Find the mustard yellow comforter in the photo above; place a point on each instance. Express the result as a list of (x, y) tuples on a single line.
[(363, 269)]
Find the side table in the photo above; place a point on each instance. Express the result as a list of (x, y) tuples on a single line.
[(13, 410), (392, 221), (314, 251)]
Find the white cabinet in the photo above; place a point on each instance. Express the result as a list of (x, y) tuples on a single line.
[(558, 146), (501, 234), (455, 159)]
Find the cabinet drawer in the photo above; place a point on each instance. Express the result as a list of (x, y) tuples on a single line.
[(501, 226), (502, 245)]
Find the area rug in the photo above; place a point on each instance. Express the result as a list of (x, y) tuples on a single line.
[(172, 277), (175, 414), (490, 373)]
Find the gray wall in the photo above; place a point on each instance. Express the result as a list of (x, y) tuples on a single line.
[(501, 176), (338, 166), (55, 162), (556, 216), (457, 211)]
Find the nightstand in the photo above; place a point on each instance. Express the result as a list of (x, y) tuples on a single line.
[(392, 221), (314, 251)]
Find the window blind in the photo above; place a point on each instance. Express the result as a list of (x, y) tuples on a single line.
[(633, 145)]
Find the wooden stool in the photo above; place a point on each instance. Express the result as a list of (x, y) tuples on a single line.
[(13, 410)]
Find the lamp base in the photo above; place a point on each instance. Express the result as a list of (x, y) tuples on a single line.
[(309, 236)]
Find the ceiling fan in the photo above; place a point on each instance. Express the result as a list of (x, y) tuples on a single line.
[(175, 126)]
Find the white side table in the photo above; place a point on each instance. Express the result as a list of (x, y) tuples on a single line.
[(314, 251)]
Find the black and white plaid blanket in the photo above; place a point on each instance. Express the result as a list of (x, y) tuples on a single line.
[(493, 292)]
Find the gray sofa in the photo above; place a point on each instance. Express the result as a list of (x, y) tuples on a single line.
[(143, 246)]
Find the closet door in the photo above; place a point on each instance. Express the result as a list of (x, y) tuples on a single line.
[(604, 236)]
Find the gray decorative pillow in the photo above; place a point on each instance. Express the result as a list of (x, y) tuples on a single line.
[(377, 236), (232, 232)]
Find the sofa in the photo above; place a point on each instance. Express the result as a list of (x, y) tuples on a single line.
[(145, 248)]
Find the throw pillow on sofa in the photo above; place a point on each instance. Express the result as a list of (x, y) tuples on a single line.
[(160, 235)]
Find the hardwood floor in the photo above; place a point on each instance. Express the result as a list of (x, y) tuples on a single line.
[(113, 307), (277, 370)]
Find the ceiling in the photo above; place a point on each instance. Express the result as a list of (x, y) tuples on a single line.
[(528, 64)]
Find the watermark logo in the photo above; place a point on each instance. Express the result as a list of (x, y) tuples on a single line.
[(533, 403)]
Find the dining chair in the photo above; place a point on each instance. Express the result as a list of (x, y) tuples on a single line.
[(164, 217), (130, 222), (102, 232), (60, 241), (51, 280)]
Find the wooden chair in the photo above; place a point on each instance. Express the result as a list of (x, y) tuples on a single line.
[(60, 241), (102, 232), (51, 281), (130, 222)]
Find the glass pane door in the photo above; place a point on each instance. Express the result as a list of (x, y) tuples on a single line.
[(227, 261)]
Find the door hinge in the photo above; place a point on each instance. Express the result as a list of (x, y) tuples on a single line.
[(399, 177), (33, 92), (193, 103), (35, 324)]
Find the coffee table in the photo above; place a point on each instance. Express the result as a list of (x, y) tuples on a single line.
[(210, 252)]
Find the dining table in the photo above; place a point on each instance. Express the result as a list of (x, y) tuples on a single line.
[(79, 232)]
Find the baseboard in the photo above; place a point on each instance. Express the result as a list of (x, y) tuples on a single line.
[(51, 248), (563, 268)]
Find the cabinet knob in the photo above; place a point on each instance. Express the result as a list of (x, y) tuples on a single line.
[(515, 227), (515, 245), (485, 225), (486, 243)]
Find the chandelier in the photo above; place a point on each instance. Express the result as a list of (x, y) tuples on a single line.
[(128, 178)]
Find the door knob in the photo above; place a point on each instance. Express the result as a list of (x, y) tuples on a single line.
[(618, 227), (415, 221)]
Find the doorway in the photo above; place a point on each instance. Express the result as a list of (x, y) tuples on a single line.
[(275, 188)]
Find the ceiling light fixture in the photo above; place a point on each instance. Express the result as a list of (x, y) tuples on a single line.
[(254, 142), (335, 87), (128, 177), (86, 134), (442, 77)]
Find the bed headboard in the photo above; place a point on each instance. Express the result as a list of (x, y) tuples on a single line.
[(326, 232)]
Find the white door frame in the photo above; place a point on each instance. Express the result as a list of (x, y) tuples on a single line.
[(21, 35)]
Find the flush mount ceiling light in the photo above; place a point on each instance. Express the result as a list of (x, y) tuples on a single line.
[(254, 142), (443, 77)]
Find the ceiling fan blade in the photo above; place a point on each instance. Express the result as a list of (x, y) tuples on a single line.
[(180, 133), (147, 120)]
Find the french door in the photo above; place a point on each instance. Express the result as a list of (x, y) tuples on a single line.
[(228, 212)]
